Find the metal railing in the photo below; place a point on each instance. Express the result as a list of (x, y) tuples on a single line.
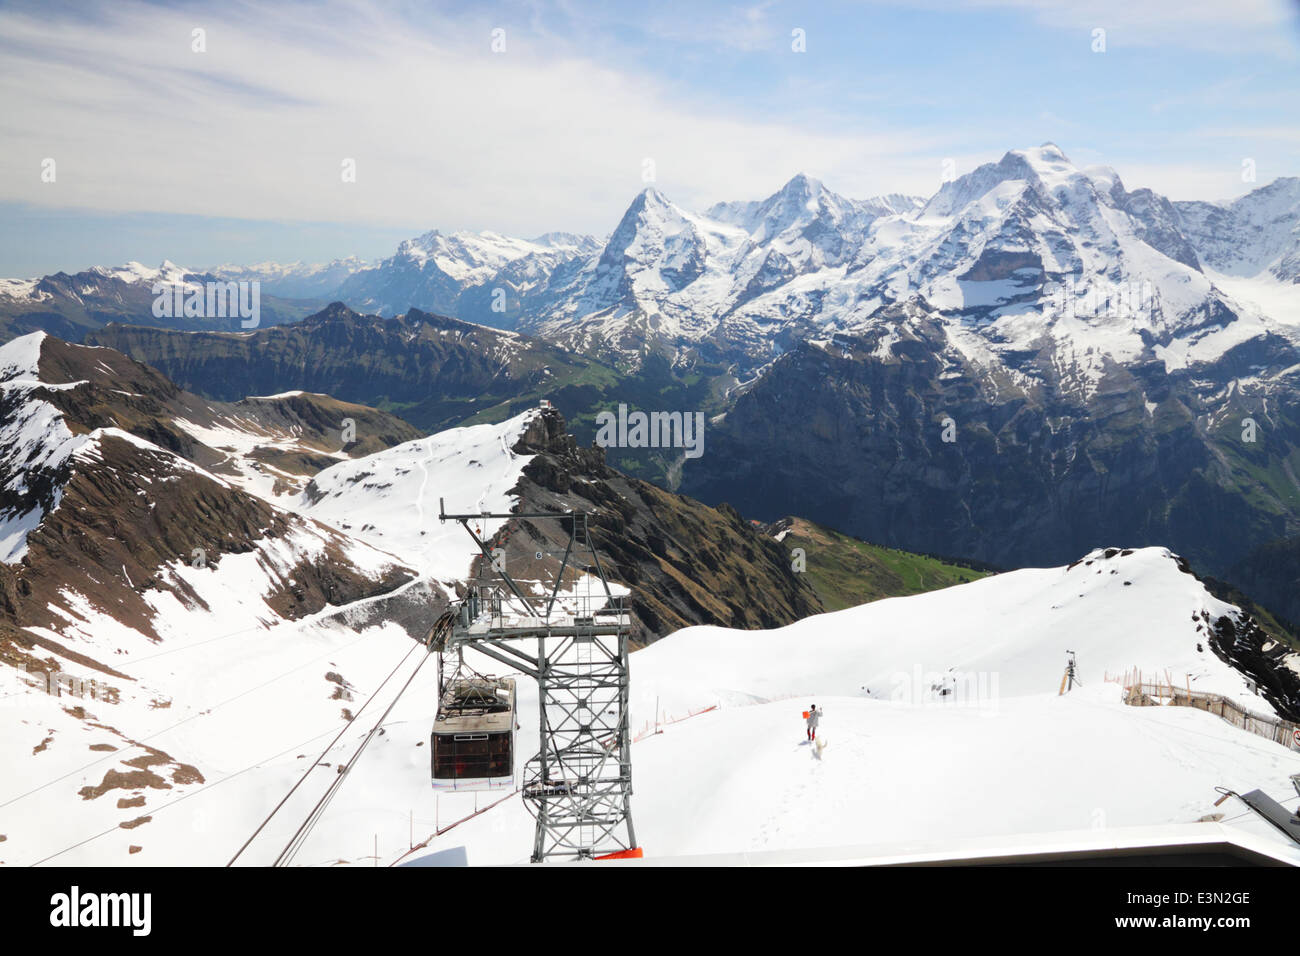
[(490, 607)]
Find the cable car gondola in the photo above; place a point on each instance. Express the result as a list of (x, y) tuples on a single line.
[(473, 740)]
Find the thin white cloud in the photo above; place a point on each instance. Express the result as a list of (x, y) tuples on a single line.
[(1257, 27), (442, 130)]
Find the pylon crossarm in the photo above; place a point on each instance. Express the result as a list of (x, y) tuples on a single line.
[(518, 662)]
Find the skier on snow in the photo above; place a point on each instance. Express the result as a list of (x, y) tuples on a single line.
[(814, 715)]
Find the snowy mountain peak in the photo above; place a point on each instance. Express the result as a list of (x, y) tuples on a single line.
[(1046, 163), (133, 272), (802, 185), (20, 358), (1048, 152), (1044, 170), (649, 205), (797, 203)]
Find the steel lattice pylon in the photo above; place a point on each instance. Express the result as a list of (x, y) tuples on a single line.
[(579, 785), (580, 782)]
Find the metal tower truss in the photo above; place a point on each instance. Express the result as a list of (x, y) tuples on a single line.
[(579, 785)]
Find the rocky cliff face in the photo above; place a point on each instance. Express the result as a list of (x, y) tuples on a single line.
[(1273, 666), (897, 437)]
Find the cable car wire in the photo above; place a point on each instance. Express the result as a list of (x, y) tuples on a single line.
[(324, 753), (170, 727), (154, 811), (300, 836)]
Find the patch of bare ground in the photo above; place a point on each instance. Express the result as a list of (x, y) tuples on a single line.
[(134, 849), (142, 775), (102, 747), (132, 824), (83, 547), (117, 780), (342, 689), (185, 774), (16, 643), (43, 744), (136, 801)]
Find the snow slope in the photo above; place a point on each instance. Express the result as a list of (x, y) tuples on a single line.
[(1135, 610), (239, 441), (390, 499)]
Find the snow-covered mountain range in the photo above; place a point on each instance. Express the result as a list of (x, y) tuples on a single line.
[(481, 277), (1111, 361), (71, 305), (293, 280), (1136, 358), (1027, 251), (1015, 256)]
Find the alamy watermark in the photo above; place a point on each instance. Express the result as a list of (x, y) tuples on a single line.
[(209, 300), (976, 690), (17, 683), (133, 911), (639, 429), (1128, 300)]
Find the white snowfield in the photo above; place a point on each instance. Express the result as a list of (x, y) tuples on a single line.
[(390, 499), (1002, 636)]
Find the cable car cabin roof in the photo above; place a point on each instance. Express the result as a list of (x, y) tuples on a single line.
[(477, 705)]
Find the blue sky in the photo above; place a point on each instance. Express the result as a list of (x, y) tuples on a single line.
[(234, 153)]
